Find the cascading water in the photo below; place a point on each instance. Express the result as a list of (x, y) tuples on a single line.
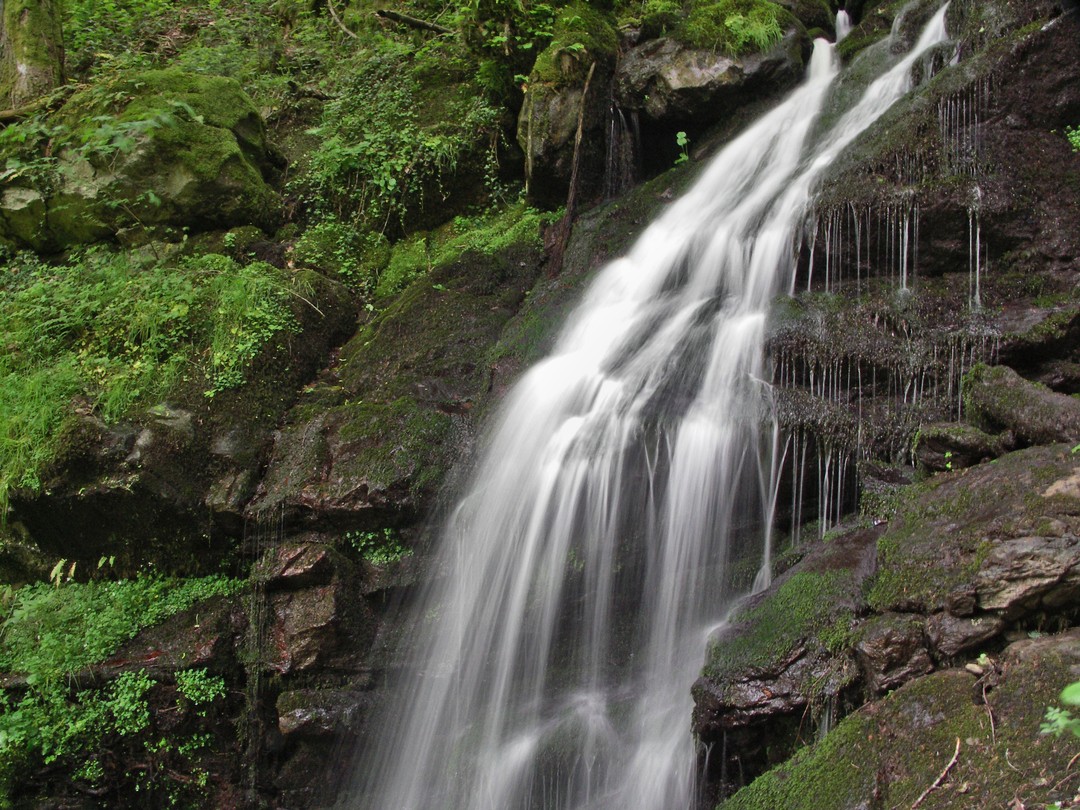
[(578, 579)]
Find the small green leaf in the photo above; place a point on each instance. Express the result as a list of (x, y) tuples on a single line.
[(1070, 695)]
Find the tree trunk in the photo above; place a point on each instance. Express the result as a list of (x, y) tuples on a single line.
[(31, 50)]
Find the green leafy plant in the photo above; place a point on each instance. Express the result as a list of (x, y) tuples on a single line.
[(53, 634), (1073, 135), (683, 143), (199, 688), (379, 547), (1058, 720)]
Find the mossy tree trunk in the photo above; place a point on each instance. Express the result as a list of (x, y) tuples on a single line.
[(31, 50)]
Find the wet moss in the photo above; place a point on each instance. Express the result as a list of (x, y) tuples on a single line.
[(945, 527), (807, 606)]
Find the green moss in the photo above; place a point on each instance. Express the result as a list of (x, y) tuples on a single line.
[(581, 35), (417, 453), (892, 751), (945, 527), (803, 607)]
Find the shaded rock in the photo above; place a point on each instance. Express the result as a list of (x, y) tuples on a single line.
[(292, 566), (369, 446), (784, 649), (667, 81), (893, 749), (1000, 398), (952, 446), (320, 712), (207, 635), (951, 635), (584, 44), (303, 633), (890, 651)]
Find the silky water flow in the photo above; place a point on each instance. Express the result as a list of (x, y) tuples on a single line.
[(578, 579)]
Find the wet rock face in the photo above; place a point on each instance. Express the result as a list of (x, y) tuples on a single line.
[(968, 557), (368, 445), (1003, 400)]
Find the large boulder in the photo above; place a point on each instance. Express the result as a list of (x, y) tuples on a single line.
[(161, 148), (949, 739), (668, 81), (369, 444)]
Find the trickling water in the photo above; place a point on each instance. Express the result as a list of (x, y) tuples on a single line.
[(580, 575), (843, 25)]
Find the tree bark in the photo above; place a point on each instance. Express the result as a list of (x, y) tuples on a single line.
[(31, 50)]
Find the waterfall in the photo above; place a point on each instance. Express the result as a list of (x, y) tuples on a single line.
[(843, 25), (579, 577)]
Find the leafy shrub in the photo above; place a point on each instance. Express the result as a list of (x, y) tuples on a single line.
[(356, 257), (1059, 720), (378, 547), (1073, 134), (389, 141), (734, 26)]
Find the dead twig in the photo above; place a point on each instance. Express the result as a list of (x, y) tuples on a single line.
[(412, 22), (941, 777), (990, 714), (337, 19)]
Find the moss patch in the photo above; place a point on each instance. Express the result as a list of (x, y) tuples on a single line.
[(888, 753)]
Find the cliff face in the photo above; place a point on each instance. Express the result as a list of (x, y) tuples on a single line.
[(929, 493)]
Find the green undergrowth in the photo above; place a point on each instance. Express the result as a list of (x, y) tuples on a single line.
[(730, 26), (803, 607), (401, 127), (486, 234), (105, 332), (52, 633)]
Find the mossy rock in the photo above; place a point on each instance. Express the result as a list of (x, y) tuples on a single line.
[(955, 539), (584, 45), (370, 444), (891, 752), (1000, 399), (161, 148)]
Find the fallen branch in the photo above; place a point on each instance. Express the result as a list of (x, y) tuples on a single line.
[(337, 19), (941, 777), (412, 22), (990, 714), (563, 226)]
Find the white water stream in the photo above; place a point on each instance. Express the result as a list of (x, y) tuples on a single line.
[(581, 573)]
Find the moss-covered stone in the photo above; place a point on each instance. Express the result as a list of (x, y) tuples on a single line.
[(372, 441), (162, 148), (947, 529), (890, 753), (1000, 399)]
